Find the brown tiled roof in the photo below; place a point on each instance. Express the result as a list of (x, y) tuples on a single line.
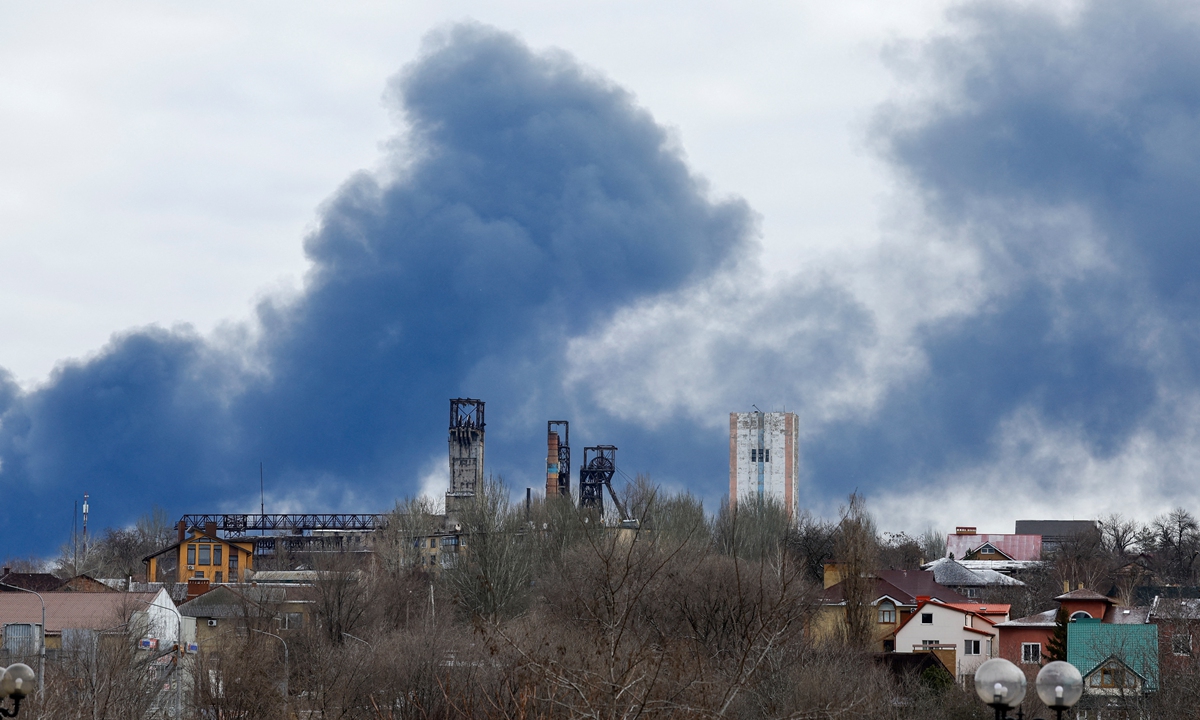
[(916, 583), (1084, 595), (37, 582), (94, 611), (904, 586)]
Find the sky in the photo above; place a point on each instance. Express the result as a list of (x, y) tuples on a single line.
[(954, 237)]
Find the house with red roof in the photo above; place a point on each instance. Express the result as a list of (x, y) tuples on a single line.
[(963, 634), (967, 544), (894, 597), (1025, 640)]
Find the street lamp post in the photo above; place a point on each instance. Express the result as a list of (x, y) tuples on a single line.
[(42, 649), (1001, 685), (285, 662), (178, 655)]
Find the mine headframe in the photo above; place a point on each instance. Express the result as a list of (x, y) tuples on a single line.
[(595, 475), (466, 450), (558, 459)]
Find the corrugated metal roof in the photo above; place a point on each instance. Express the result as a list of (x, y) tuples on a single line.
[(1017, 547), (1090, 643), (949, 573), (1042, 619), (993, 577), (1127, 615), (1084, 594), (1174, 609), (93, 611), (1054, 528)]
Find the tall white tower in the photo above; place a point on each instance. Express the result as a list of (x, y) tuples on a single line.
[(764, 457)]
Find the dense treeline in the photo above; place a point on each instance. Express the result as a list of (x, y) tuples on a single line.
[(549, 613)]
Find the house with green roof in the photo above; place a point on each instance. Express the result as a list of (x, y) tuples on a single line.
[(1114, 659)]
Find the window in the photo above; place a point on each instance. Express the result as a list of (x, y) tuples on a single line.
[(887, 612), (199, 575), (1080, 615), (218, 577), (760, 455), (218, 554), (293, 621), (1112, 676), (970, 647), (971, 592), (926, 618), (1181, 643), (205, 555), (191, 555), (1031, 653), (233, 562), (449, 540), (930, 643)]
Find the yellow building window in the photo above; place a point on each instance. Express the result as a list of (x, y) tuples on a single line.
[(205, 555), (191, 554), (218, 552)]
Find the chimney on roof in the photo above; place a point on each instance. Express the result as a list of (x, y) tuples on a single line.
[(182, 530), (210, 528), (964, 530), (832, 574), (196, 587), (922, 599)]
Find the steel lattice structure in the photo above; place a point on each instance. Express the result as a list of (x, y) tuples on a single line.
[(240, 523), (595, 474)]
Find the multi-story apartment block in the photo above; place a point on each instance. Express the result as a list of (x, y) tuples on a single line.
[(764, 457)]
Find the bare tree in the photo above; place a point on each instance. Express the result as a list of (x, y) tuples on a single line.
[(490, 577), (857, 550)]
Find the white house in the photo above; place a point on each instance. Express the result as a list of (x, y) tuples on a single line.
[(967, 628)]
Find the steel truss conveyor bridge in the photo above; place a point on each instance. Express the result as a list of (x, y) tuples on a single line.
[(295, 523)]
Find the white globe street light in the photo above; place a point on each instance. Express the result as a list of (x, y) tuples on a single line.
[(16, 682), (1059, 685), (1000, 684)]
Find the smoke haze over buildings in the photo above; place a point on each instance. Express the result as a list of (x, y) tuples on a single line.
[(537, 239)]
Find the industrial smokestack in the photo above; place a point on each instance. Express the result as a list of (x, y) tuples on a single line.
[(551, 464)]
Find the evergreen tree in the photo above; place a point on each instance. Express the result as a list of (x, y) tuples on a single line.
[(1056, 649)]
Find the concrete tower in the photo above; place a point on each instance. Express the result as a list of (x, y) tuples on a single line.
[(466, 452), (764, 457)]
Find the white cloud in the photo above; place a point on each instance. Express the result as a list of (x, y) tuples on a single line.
[(1043, 470)]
